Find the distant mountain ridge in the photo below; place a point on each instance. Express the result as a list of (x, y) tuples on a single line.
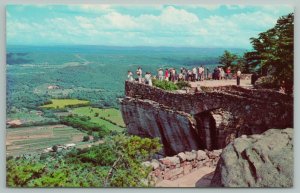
[(96, 48)]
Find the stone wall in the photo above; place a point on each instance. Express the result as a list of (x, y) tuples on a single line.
[(209, 119), (224, 97), (171, 168)]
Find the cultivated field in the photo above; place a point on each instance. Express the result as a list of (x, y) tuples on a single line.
[(62, 103), (35, 139), (26, 118), (111, 114)]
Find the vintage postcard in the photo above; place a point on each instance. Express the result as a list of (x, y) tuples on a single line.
[(102, 95)]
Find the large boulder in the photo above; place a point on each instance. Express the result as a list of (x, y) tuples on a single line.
[(264, 160)]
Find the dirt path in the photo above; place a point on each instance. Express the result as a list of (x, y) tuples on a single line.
[(198, 178)]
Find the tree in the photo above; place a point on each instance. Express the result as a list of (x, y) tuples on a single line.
[(127, 170), (274, 52), (228, 59), (86, 138), (116, 163)]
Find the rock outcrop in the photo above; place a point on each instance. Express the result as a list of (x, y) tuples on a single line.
[(150, 119), (257, 161), (209, 119)]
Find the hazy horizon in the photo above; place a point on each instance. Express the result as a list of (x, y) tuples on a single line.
[(200, 26)]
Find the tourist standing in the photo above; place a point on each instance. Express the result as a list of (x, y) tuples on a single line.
[(228, 71), (207, 73), (173, 75), (254, 77), (148, 78), (216, 73), (190, 75), (180, 77), (219, 73), (130, 76), (160, 74), (194, 74), (167, 74), (238, 77), (201, 73), (139, 73), (185, 75), (222, 73)]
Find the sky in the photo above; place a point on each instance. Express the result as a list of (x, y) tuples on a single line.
[(221, 26)]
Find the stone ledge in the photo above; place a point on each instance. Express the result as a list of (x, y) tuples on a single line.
[(171, 168)]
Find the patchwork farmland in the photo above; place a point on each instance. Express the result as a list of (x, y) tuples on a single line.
[(35, 139)]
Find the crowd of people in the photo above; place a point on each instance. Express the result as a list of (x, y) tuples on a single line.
[(193, 74)]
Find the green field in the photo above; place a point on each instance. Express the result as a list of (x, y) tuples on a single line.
[(62, 103), (29, 118), (109, 118), (36, 139), (114, 115)]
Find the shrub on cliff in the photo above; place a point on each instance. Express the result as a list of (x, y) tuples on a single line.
[(165, 85), (183, 84)]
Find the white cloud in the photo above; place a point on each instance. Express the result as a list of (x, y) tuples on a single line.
[(84, 22), (235, 7), (277, 9), (173, 26), (209, 7), (92, 8), (120, 21), (255, 21), (171, 15)]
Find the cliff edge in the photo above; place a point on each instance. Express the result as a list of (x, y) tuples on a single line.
[(209, 119)]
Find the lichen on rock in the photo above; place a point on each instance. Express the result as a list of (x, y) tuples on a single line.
[(257, 161)]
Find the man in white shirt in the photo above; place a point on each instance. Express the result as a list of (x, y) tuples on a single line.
[(201, 73), (160, 74), (140, 73), (194, 74)]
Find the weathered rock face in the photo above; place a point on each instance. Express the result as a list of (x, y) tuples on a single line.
[(257, 161), (150, 119), (209, 119)]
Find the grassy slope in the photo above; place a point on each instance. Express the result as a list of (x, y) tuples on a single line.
[(62, 103), (113, 115)]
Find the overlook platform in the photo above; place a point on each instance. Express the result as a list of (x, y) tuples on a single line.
[(246, 83), (208, 118)]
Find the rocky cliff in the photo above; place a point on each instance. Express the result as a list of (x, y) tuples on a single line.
[(208, 119), (257, 161)]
